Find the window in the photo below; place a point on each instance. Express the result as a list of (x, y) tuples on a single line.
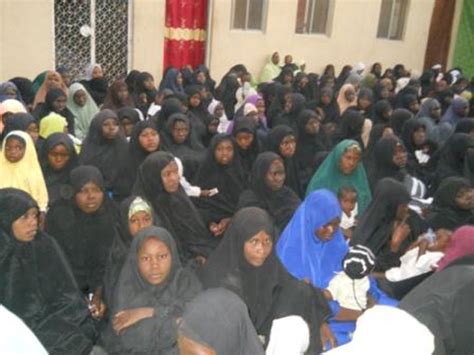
[(393, 14), (312, 16), (248, 14)]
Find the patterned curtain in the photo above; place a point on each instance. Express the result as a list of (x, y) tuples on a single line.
[(185, 33)]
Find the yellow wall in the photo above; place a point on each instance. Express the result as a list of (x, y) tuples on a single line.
[(352, 38), (26, 38)]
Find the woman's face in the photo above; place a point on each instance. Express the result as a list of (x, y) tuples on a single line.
[(195, 100), (212, 126), (313, 126), (275, 176), (465, 199), (53, 81), (179, 79), (326, 233), (201, 78), (349, 161), (388, 132), (288, 146), (24, 228), (122, 93), (14, 150), (326, 100), (244, 140), (110, 128), (349, 95), (436, 112), (364, 103), (260, 105), (288, 103), (414, 106), (58, 157), (258, 248), (149, 140), (139, 221), (59, 104), (127, 126), (224, 152), (180, 132), (33, 131), (149, 84), (97, 73), (219, 110), (400, 156), (170, 177), (89, 198), (419, 136), (154, 261), (80, 98)]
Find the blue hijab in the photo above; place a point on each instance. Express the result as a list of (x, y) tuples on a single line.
[(304, 255)]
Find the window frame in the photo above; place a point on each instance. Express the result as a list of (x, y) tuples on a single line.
[(247, 10), (391, 21), (310, 5)]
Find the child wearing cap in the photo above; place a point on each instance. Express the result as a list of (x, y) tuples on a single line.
[(350, 286)]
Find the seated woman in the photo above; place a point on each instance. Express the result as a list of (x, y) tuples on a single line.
[(135, 214), (282, 141), (102, 148), (83, 224), (245, 263), (36, 281), (343, 167), (217, 322), (267, 190), (150, 296), (388, 227), (453, 204), (312, 248), (158, 182), (55, 102), (460, 249), (81, 104), (220, 170), (57, 157), (248, 145)]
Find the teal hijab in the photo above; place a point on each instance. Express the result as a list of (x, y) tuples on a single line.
[(329, 176)]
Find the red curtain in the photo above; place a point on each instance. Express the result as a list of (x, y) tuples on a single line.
[(185, 33)]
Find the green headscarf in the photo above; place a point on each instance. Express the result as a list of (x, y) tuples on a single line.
[(329, 176), (82, 115)]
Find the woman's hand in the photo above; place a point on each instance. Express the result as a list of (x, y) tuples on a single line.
[(96, 306), (126, 318), (327, 336), (400, 233)]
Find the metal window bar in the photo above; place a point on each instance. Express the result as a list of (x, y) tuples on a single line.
[(311, 19), (247, 9)]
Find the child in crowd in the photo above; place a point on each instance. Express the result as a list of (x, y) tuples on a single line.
[(347, 197), (350, 287)]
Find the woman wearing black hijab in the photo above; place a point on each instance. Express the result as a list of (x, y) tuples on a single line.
[(221, 170), (382, 112), (183, 143), (96, 84), (351, 127), (267, 190), (169, 106), (158, 182), (246, 264), (398, 119), (294, 104), (104, 147), (57, 158), (228, 86), (452, 205), (83, 224), (151, 294), (278, 103), (55, 101), (144, 92), (386, 227), (36, 282), (197, 113), (128, 118), (282, 141), (451, 157), (248, 146)]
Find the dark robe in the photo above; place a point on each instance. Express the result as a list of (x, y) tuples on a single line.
[(36, 283), (298, 103), (45, 108), (247, 156)]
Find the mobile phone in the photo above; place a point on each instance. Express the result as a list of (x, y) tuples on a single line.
[(213, 192)]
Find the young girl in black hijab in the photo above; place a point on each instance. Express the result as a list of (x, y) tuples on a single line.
[(158, 182), (151, 293), (36, 282), (104, 147), (128, 118), (246, 264), (267, 190), (282, 141), (248, 146), (57, 157), (220, 170), (84, 226), (55, 101), (294, 104)]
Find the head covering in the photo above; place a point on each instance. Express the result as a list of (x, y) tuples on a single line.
[(97, 87), (329, 175), (47, 107), (375, 225), (82, 114), (167, 298), (103, 153), (18, 122), (25, 174), (13, 106), (136, 151), (4, 91), (452, 155), (456, 111), (175, 210), (359, 262), (398, 119), (375, 328), (55, 179), (270, 70), (342, 102), (298, 103), (383, 165), (218, 319), (409, 128), (302, 252), (380, 108), (248, 156), (169, 81), (279, 204), (52, 123), (37, 283), (113, 101), (460, 244), (444, 211), (25, 87), (46, 86)]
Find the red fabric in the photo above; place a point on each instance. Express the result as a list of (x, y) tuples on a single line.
[(184, 14)]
